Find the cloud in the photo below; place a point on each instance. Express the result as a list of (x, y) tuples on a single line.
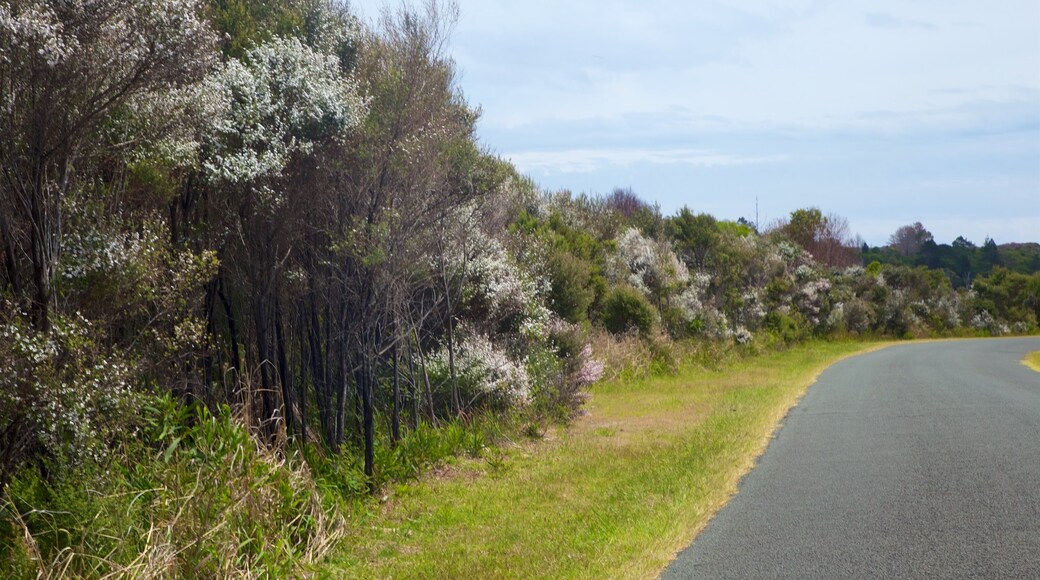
[(927, 109), (880, 20), (591, 160)]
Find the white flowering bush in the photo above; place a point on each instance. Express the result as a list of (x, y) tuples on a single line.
[(813, 300), (58, 33), (141, 290), (752, 310), (496, 289), (61, 396), (986, 322), (101, 251), (282, 99), (485, 373), (857, 315), (946, 310), (648, 265)]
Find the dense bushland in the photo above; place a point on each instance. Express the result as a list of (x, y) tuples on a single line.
[(256, 265)]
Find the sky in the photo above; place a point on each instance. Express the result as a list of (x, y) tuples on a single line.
[(885, 112)]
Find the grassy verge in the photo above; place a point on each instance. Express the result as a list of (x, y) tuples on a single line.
[(616, 495), (1032, 361)]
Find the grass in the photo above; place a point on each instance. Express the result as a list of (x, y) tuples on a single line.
[(616, 495), (1032, 361)]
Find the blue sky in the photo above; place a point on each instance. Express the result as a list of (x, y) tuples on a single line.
[(885, 112)]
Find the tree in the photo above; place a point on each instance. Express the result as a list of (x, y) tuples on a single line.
[(406, 171), (826, 237), (990, 256), (695, 236), (908, 240), (65, 67)]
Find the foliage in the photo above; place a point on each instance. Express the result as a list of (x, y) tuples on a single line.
[(281, 99), (626, 309), (194, 496), (63, 396), (255, 265), (572, 286), (486, 375)]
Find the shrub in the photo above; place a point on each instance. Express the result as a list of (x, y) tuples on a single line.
[(572, 292), (486, 375), (624, 309), (787, 327), (63, 398)]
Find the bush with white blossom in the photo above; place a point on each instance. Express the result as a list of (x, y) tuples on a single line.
[(62, 397), (282, 99), (485, 373)]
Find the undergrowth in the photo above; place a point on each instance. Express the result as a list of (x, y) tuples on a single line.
[(194, 495)]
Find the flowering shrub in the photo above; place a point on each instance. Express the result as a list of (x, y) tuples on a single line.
[(985, 321), (485, 373), (61, 397), (282, 99), (649, 266)]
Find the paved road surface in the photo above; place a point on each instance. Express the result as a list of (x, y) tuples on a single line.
[(916, 461)]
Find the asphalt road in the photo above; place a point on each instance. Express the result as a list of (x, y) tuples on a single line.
[(916, 461)]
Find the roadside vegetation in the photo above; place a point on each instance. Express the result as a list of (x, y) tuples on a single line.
[(1032, 361), (614, 496), (257, 272)]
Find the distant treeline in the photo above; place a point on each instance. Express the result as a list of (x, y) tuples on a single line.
[(962, 261)]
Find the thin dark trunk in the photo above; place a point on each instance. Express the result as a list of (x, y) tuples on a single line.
[(426, 380), (341, 390), (368, 414), (211, 333), (288, 400), (318, 377), (395, 414), (9, 256), (232, 322), (267, 390), (42, 284), (414, 388), (302, 338), (456, 400)]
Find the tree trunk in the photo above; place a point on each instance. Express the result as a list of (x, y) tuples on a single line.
[(456, 400), (414, 390), (395, 414), (229, 313), (368, 414), (7, 238), (285, 376), (426, 379)]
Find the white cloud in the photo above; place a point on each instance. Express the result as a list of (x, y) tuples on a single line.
[(879, 106), (590, 160)]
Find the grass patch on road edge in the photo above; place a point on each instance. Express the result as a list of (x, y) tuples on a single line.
[(616, 495), (1032, 361)]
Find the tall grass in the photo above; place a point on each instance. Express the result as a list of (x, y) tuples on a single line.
[(193, 494), (197, 498)]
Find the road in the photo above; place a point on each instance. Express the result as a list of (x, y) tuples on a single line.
[(916, 461)]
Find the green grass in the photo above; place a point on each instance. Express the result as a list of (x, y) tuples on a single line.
[(1032, 361), (616, 495)]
